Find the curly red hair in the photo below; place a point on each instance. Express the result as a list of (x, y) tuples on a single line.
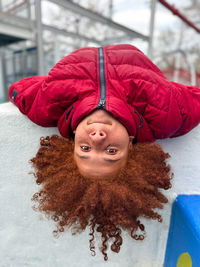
[(106, 206)]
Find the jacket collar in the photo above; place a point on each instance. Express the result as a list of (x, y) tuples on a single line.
[(123, 112), (118, 108)]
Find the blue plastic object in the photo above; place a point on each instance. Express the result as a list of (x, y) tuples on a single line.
[(184, 233)]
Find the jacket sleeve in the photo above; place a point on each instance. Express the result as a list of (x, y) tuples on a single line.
[(42, 99), (169, 108), (188, 99)]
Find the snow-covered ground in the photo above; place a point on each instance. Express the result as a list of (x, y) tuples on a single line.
[(26, 238)]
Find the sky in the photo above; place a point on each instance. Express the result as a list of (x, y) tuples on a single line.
[(136, 15)]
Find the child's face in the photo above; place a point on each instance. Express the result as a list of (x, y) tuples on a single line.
[(101, 145)]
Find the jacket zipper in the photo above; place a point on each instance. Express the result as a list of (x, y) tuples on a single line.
[(102, 99), (141, 120)]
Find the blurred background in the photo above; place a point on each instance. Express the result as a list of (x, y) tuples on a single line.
[(35, 34)]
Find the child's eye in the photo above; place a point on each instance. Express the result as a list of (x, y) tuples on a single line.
[(85, 148), (112, 151)]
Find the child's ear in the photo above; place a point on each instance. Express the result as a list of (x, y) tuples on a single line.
[(74, 131), (131, 140)]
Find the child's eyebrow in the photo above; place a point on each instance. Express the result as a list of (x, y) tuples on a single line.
[(106, 159)]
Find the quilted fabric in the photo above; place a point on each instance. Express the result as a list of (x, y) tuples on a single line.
[(137, 94)]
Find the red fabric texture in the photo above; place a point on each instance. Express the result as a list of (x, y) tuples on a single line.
[(137, 94)]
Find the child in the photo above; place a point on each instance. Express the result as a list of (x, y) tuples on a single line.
[(105, 99)]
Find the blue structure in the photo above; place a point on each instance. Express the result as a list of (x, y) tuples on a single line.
[(183, 246)]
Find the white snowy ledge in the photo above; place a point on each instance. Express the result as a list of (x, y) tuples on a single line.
[(26, 236)]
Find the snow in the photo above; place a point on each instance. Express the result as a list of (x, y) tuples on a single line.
[(26, 237)]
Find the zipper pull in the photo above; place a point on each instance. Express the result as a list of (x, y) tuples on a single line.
[(101, 104)]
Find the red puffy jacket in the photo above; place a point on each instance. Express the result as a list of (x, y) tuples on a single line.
[(117, 78)]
